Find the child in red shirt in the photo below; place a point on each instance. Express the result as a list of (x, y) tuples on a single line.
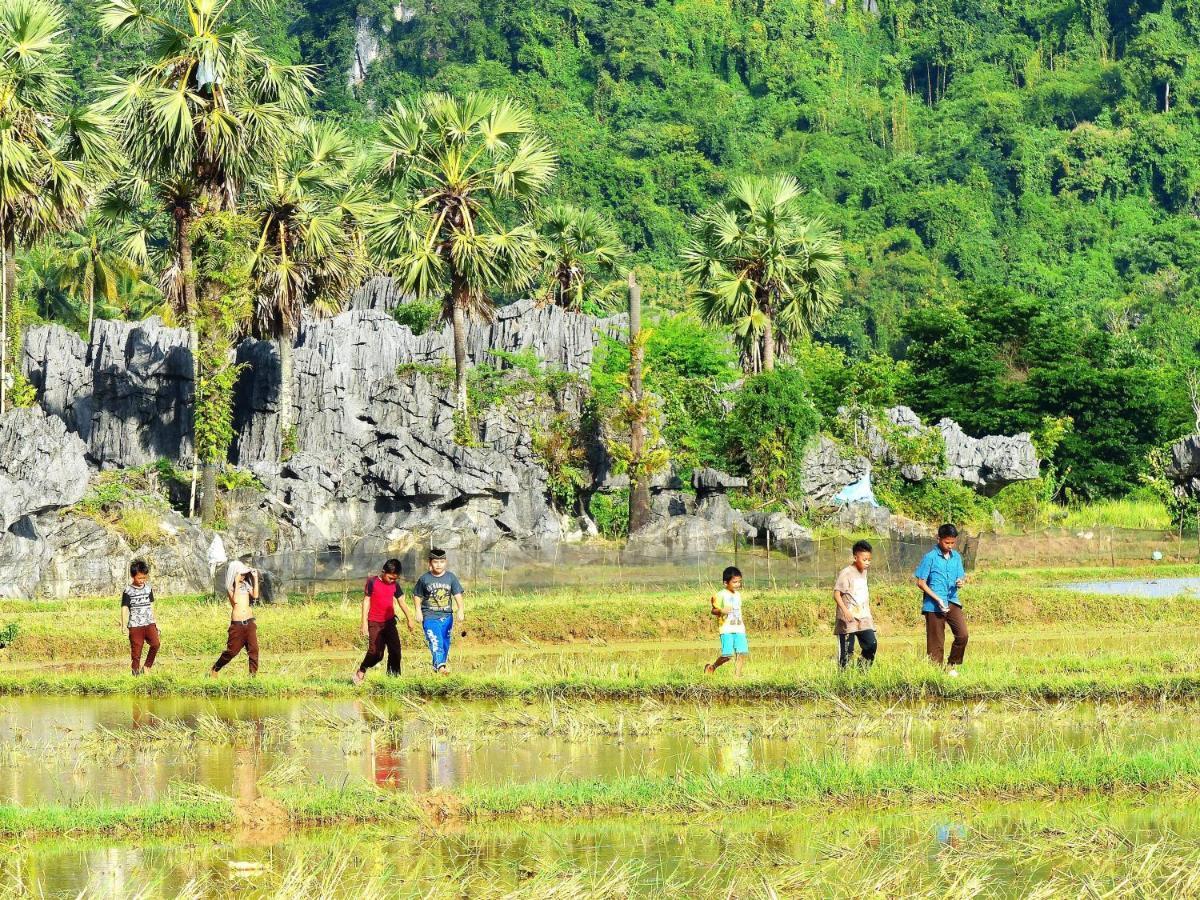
[(381, 593)]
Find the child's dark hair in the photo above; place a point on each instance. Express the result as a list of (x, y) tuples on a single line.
[(392, 567), (435, 553), (730, 573), (138, 567), (860, 547), (946, 531)]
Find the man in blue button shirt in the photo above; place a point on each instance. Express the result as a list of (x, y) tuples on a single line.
[(939, 576)]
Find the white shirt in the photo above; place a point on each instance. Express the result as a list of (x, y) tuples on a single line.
[(731, 605)]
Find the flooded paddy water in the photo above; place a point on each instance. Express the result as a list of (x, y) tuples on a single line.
[(989, 849), (123, 749), (1155, 587)]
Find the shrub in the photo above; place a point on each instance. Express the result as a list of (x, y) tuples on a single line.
[(139, 526), (772, 421), (934, 500), (611, 513), (419, 315)]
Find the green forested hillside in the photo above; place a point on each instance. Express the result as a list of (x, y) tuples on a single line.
[(1016, 183)]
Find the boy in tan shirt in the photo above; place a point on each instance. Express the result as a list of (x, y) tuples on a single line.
[(853, 600)]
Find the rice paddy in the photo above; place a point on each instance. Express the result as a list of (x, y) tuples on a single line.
[(576, 750)]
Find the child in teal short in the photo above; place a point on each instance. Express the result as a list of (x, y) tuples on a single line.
[(727, 606)]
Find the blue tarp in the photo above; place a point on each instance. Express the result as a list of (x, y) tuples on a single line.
[(857, 492)]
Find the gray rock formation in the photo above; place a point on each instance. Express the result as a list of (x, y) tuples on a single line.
[(826, 470), (988, 463), (1184, 468), (366, 50), (779, 531), (681, 524), (42, 466), (127, 395), (711, 481), (58, 554)]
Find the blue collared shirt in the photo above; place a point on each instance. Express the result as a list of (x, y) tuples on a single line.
[(941, 574)]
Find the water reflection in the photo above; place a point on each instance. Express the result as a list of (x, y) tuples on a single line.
[(130, 749), (706, 855)]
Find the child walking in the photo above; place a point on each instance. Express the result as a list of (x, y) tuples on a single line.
[(939, 576), (242, 591), (853, 601), (380, 595), (727, 605), (441, 596), (137, 616)]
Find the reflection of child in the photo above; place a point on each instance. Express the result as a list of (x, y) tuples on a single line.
[(727, 605)]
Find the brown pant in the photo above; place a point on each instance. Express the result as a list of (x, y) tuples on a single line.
[(138, 636), (935, 635), (382, 635), (241, 634)]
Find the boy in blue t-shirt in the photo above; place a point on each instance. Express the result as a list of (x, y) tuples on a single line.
[(441, 597), (939, 576)]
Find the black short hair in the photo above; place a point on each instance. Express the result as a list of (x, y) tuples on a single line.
[(861, 547), (946, 531), (138, 567), (730, 573), (436, 553), (392, 567)]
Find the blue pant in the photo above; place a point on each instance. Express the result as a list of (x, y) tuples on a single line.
[(438, 631)]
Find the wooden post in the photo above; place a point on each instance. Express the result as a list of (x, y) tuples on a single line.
[(639, 484)]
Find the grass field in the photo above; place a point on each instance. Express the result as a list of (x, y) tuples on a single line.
[(594, 670)]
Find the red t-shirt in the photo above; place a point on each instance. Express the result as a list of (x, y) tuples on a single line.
[(383, 599)]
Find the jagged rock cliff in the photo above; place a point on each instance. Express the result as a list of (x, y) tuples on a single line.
[(371, 458), (373, 447), (986, 464)]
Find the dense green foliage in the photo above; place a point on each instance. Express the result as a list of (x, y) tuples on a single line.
[(771, 422), (1014, 184)]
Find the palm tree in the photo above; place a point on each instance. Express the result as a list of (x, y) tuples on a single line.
[(197, 118), (577, 244), (310, 250), (95, 258), (45, 148), (761, 266), (449, 164)]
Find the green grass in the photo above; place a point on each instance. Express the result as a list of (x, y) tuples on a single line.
[(1144, 662), (1135, 514), (51, 631)]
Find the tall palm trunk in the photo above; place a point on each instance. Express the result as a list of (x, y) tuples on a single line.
[(7, 289), (768, 340), (184, 248), (639, 481), (286, 368), (458, 318), (208, 491), (89, 288)]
